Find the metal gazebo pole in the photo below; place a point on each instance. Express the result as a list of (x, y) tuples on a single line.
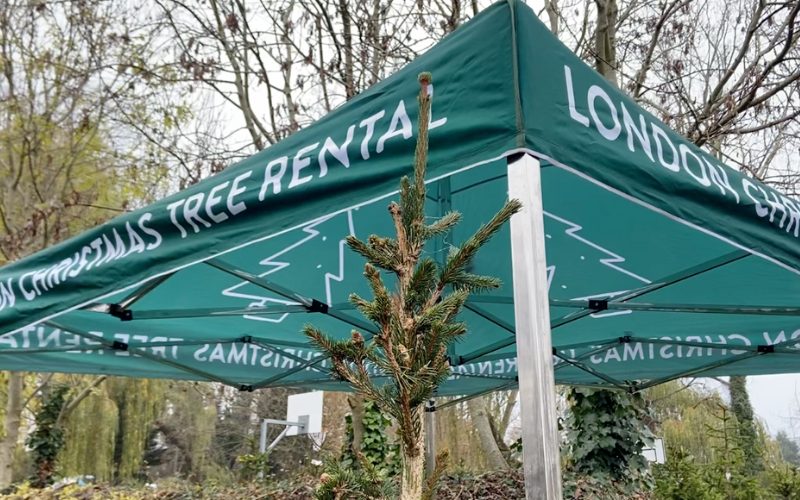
[(540, 450)]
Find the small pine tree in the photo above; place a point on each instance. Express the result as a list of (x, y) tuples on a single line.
[(417, 321)]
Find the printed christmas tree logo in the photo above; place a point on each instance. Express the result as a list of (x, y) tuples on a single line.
[(318, 252), (572, 258), (312, 260)]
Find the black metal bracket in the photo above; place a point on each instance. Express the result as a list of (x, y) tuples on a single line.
[(119, 346), (765, 348), (455, 360), (247, 339), (318, 307), (246, 388), (430, 407), (120, 312), (598, 305), (625, 339), (515, 156)]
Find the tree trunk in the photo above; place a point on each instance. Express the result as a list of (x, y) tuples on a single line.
[(606, 39), (551, 6), (347, 35), (334, 412), (480, 418), (511, 402), (413, 477), (9, 442), (74, 402), (356, 402)]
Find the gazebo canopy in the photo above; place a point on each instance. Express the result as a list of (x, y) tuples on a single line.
[(662, 262)]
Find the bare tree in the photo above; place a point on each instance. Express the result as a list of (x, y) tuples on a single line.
[(487, 433), (724, 74), (281, 64)]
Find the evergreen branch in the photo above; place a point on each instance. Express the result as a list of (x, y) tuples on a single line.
[(409, 200), (442, 461), (364, 306), (402, 238), (413, 196), (422, 284), (322, 341), (376, 284), (421, 152), (389, 393), (475, 283), (462, 257), (381, 362), (342, 352), (444, 310), (365, 384), (443, 333), (375, 257), (443, 225), (398, 361), (356, 350), (378, 310), (357, 376), (385, 246)]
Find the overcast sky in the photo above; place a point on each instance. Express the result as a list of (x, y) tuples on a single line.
[(776, 399)]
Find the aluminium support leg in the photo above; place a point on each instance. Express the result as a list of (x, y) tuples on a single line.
[(540, 450)]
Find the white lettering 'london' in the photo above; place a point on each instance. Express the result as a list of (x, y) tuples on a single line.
[(613, 121)]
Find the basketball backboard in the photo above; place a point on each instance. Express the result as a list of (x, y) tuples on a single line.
[(655, 454), (305, 407)]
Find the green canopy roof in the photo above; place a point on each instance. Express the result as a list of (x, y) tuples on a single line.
[(662, 261)]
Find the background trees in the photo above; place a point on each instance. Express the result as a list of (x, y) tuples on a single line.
[(67, 159)]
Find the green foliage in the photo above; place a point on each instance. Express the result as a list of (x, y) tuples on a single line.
[(731, 472), (725, 476), (681, 478), (180, 440), (48, 437), (340, 480), (376, 447), (785, 482), (139, 401), (369, 473), (227, 443), (71, 152), (708, 454), (746, 431), (684, 415), (173, 489), (606, 433), (788, 447), (254, 466), (89, 448)]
